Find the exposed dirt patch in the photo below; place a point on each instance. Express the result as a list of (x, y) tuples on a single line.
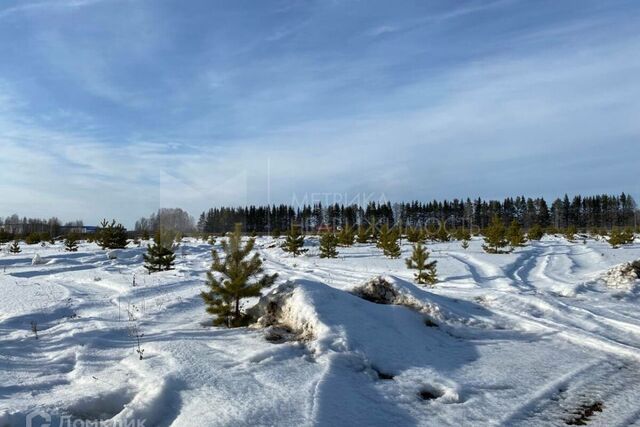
[(584, 413)]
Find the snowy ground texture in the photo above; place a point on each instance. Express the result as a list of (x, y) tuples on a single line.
[(535, 337)]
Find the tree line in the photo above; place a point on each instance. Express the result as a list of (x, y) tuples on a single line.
[(600, 211)]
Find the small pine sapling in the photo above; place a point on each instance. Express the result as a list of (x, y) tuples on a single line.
[(570, 233), (294, 242), (494, 237), (388, 241), (231, 280), (426, 274), (71, 243), (160, 255), (328, 244), (535, 232), (514, 235), (362, 235), (346, 235)]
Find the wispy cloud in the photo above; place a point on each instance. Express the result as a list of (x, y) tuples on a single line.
[(132, 120)]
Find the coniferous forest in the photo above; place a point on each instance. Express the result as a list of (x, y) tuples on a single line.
[(585, 213)]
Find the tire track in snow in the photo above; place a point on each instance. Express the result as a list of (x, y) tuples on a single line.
[(610, 382)]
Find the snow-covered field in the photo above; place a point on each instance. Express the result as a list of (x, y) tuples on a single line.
[(528, 338)]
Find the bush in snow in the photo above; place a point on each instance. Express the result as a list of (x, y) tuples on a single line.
[(426, 270), (233, 281)]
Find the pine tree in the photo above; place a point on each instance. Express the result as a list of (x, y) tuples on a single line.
[(514, 235), (160, 255), (346, 235), (620, 237), (465, 244), (328, 244), (112, 235), (535, 232), (570, 232), (442, 235), (71, 243), (372, 230), (426, 271), (388, 241), (363, 234), (224, 294), (294, 242), (414, 234), (494, 236), (15, 247)]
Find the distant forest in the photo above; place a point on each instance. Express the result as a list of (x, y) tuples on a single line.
[(602, 211), (585, 213)]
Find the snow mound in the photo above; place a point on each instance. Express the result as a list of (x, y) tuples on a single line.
[(388, 290), (37, 260), (287, 309), (622, 276)]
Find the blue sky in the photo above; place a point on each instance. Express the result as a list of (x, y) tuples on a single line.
[(117, 107)]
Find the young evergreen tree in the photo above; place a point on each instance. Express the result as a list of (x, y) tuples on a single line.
[(620, 237), (570, 232), (111, 235), (535, 232), (363, 234), (442, 235), (15, 247), (372, 230), (160, 255), (414, 234), (71, 243), (388, 241), (514, 235), (427, 273), (33, 239), (231, 280), (328, 244), (346, 235), (494, 236), (294, 241)]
